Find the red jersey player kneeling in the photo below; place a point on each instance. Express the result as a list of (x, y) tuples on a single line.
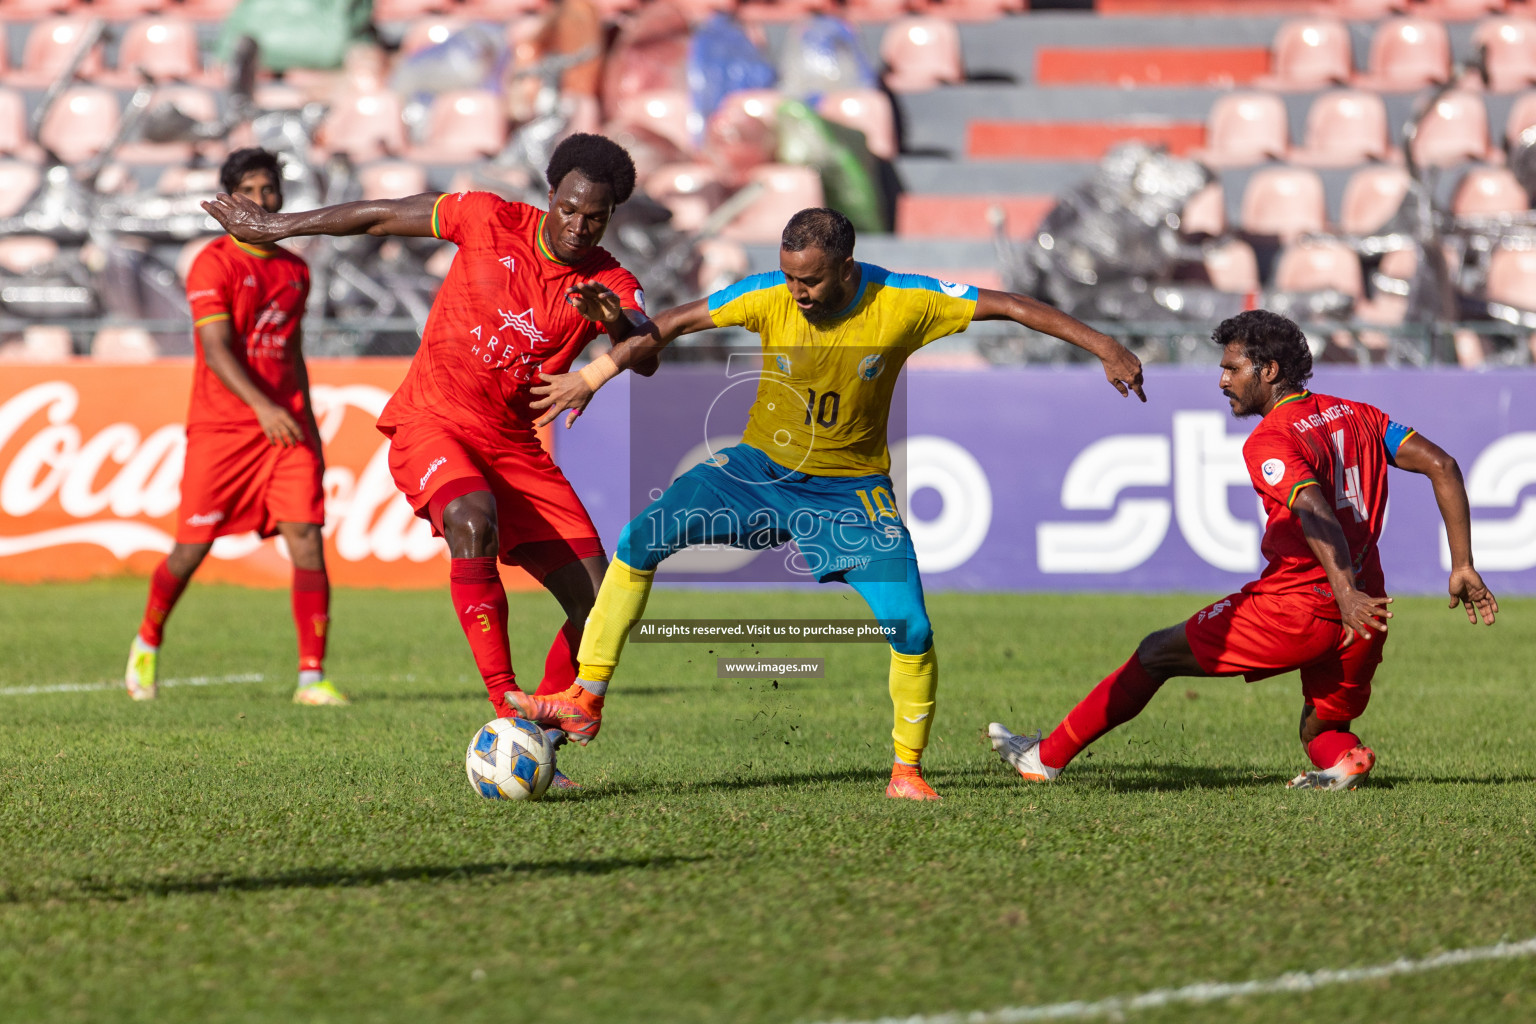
[(1320, 466), (253, 451)]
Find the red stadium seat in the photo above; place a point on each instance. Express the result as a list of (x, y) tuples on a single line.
[(391, 179), (1206, 212), (1408, 53), (667, 112), (1345, 127), (1456, 130), (80, 124), (194, 101), (920, 54), (1489, 190), (19, 179), (165, 48), (1233, 267), (1371, 196), (788, 190), (1319, 265), (1511, 46), (1310, 54), (1284, 202), (1245, 128), (49, 46), (1512, 278), (364, 126), (867, 110), (463, 125)]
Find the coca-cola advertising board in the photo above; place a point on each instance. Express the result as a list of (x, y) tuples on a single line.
[(90, 473)]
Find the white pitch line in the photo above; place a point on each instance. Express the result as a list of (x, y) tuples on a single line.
[(23, 691), (1216, 991)]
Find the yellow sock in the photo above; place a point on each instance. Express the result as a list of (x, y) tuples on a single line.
[(914, 683), (620, 603)]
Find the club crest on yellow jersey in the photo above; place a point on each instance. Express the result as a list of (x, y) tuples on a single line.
[(870, 366)]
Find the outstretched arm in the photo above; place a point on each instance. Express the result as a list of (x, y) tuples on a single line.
[(250, 222), (1359, 613), (570, 392), (1418, 454), (1121, 367)]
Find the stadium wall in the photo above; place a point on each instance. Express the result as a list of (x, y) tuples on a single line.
[(1028, 479)]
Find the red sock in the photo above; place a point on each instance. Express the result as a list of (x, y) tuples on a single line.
[(480, 601), (1115, 701), (1327, 748), (560, 664), (311, 616), (164, 591)]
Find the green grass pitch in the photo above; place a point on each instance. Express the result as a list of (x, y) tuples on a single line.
[(222, 855)]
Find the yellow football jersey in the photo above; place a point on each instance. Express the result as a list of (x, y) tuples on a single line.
[(824, 395)]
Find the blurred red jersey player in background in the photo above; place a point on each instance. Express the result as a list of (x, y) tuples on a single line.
[(526, 293), (253, 451)]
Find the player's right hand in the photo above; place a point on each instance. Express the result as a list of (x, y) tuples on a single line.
[(1467, 588), (562, 392), (244, 218), (1362, 615), (280, 426)]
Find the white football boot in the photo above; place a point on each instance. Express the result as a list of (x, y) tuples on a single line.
[(1022, 753), (1347, 772)]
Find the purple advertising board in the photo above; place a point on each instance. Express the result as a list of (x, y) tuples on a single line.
[(1046, 480)]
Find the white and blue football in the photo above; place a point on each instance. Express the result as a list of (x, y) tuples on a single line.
[(510, 759)]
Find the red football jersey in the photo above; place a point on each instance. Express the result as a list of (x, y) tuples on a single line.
[(500, 319), (262, 294), (1344, 447)]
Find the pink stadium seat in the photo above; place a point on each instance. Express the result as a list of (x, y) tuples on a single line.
[(49, 46), (877, 10), (1458, 10), (175, 181), (18, 180), (1310, 54), (80, 124), (1206, 212), (1345, 127), (1456, 130), (788, 190), (1511, 46), (921, 53), (124, 345), (667, 112), (1371, 196), (1245, 128), (197, 103), (1512, 278), (164, 47), (613, 10), (1489, 190), (741, 133), (690, 191), (407, 10), (392, 179), (364, 126), (429, 31), (463, 125), (207, 10), (189, 252), (969, 10), (1408, 53), (125, 10), (867, 110), (1363, 10), (21, 253), (1232, 267), (701, 10), (31, 10), (1284, 202), (1318, 266)]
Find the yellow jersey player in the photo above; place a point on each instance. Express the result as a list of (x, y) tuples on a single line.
[(813, 466)]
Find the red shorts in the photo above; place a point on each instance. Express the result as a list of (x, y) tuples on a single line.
[(238, 481), (540, 523), (1262, 635)]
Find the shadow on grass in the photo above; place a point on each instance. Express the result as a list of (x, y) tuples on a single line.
[(342, 878), (734, 782)]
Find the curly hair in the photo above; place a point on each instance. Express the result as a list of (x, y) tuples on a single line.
[(243, 161), (596, 159), (819, 228), (1269, 338)]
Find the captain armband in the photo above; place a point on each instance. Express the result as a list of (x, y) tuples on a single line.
[(599, 371)]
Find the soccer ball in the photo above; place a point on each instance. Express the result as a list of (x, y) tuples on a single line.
[(510, 759)]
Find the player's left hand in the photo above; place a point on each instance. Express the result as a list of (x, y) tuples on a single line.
[(561, 391), (1124, 371), (597, 302), (1362, 615)]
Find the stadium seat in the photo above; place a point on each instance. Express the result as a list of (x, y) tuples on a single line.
[(1206, 212), (206, 10), (1244, 129), (920, 54), (391, 179), (1458, 10), (787, 191), (868, 111), (18, 181), (1344, 128), (613, 10), (1310, 54), (690, 191), (667, 112), (31, 10), (1319, 265), (701, 10), (741, 133), (175, 181), (364, 126), (969, 10), (463, 125), (1283, 202), (1233, 267), (189, 252), (1363, 10), (165, 48), (408, 10), (197, 103), (1387, 308), (1522, 115), (1512, 278), (429, 31), (22, 253), (1485, 190), (1454, 131), (124, 345), (125, 10), (80, 124), (48, 48), (1371, 196), (877, 10), (1408, 53), (1511, 46)]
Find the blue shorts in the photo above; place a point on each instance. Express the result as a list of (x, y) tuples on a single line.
[(843, 526)]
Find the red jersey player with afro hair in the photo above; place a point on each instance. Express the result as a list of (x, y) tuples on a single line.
[(1320, 465), (527, 291)]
